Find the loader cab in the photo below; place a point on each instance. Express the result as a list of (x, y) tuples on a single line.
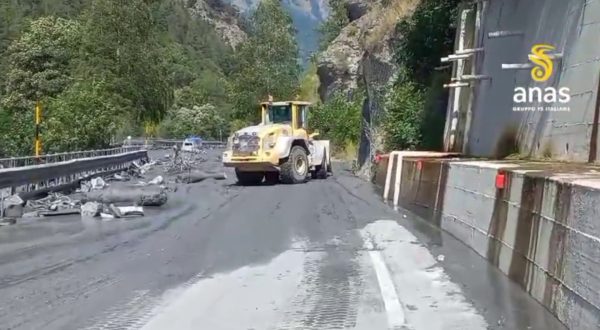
[(293, 113)]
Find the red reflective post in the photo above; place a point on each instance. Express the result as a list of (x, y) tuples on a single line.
[(500, 180)]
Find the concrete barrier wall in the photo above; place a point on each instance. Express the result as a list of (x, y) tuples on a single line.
[(542, 230)]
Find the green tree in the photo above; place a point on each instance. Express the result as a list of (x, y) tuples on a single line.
[(15, 14), (40, 62), (403, 117), (84, 117), (416, 105), (202, 120), (427, 36), (11, 22), (39, 68), (339, 119), (16, 133), (120, 46), (119, 63), (266, 63)]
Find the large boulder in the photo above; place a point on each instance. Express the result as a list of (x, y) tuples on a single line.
[(367, 36), (13, 207), (362, 57), (338, 65)]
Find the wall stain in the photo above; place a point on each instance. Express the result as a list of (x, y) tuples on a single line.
[(441, 192), (380, 174), (409, 189), (420, 188), (532, 195), (497, 227), (558, 244), (409, 180), (428, 183)]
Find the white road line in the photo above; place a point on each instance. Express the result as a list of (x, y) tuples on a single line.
[(431, 300), (393, 308)]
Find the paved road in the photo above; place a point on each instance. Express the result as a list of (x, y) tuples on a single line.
[(323, 255)]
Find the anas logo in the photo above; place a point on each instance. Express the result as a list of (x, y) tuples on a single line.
[(544, 65), (538, 98)]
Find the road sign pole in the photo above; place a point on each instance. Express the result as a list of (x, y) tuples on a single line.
[(38, 121)]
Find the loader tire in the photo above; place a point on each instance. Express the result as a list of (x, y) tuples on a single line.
[(249, 178), (295, 168)]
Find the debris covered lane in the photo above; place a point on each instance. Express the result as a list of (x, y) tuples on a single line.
[(324, 255)]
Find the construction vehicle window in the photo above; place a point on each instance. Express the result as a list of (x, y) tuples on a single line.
[(301, 116), (280, 114)]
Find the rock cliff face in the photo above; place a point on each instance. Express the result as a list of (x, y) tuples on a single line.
[(362, 57), (362, 52), (222, 16), (338, 65)]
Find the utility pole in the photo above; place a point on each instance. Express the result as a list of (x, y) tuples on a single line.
[(38, 121)]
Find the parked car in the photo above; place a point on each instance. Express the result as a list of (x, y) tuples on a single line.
[(192, 145)]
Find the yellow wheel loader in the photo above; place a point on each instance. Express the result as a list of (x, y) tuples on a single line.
[(279, 149)]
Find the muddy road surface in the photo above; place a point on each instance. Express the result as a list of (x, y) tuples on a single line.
[(328, 254)]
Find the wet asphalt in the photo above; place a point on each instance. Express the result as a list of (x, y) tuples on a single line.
[(321, 255)]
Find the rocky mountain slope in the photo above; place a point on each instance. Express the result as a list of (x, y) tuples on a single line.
[(362, 57), (222, 16), (307, 15)]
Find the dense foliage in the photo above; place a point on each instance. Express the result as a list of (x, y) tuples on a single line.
[(404, 107), (104, 69), (41, 62), (79, 118), (339, 120), (426, 36), (416, 105), (120, 47), (199, 120)]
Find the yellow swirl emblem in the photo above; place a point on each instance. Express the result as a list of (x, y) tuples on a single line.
[(544, 65)]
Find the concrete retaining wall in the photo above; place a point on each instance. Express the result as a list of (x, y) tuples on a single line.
[(542, 230)]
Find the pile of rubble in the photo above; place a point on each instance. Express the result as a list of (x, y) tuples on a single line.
[(180, 162), (53, 205), (96, 197), (105, 202), (118, 195)]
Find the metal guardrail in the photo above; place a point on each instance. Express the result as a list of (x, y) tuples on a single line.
[(62, 157), (63, 172), (169, 143), (134, 145)]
